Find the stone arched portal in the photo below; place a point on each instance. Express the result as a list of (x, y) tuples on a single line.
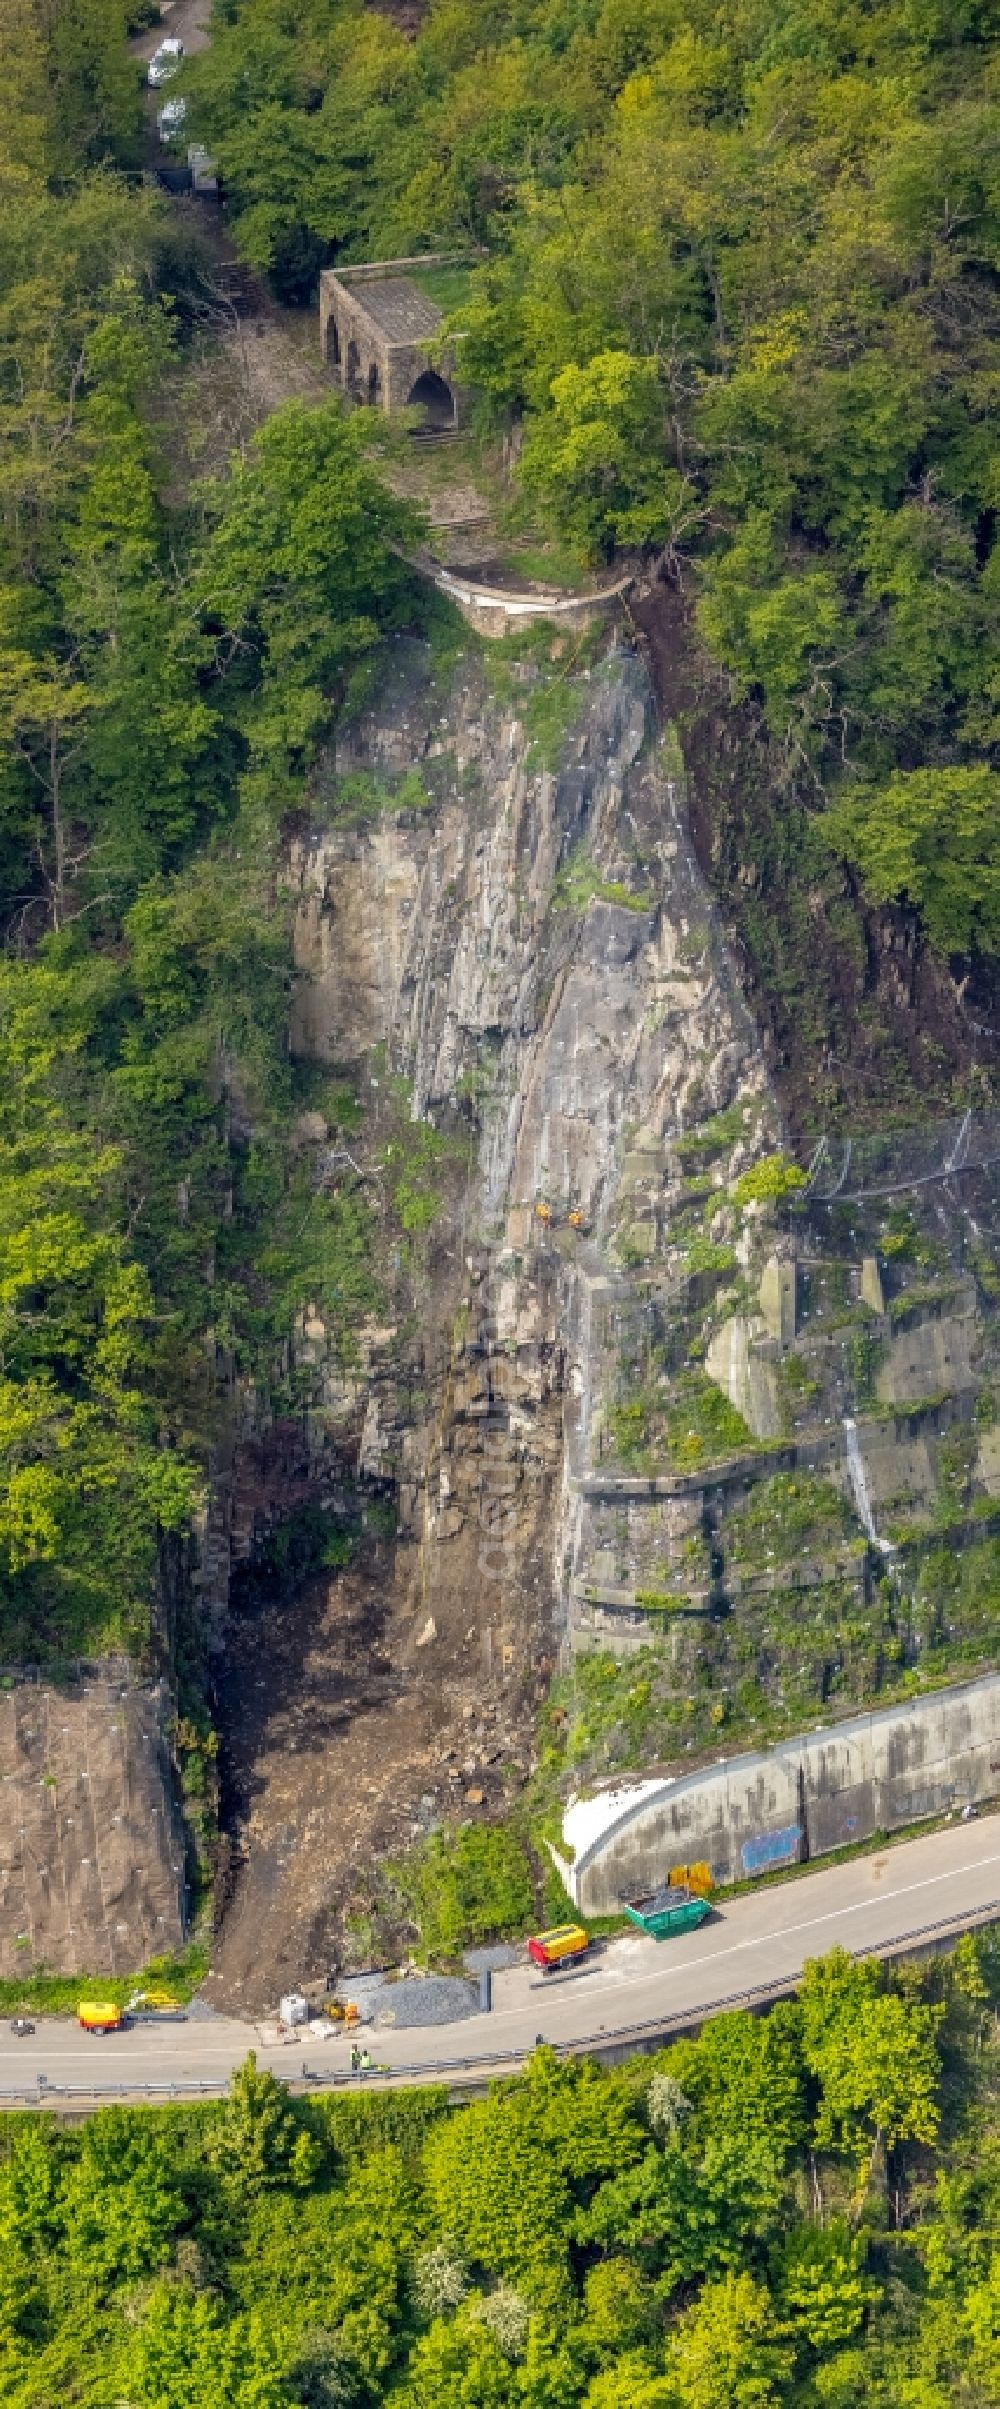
[(435, 401), (377, 329)]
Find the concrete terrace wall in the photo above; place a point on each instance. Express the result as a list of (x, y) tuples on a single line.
[(492, 610), (814, 1793)]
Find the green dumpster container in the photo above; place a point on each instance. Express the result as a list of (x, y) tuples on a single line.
[(667, 1910)]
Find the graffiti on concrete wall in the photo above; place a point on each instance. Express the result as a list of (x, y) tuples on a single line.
[(772, 1848), (843, 1781)]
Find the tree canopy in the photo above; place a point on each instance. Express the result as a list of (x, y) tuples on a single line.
[(740, 292), (552, 2246), (168, 671)]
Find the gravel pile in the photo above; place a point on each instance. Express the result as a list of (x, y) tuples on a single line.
[(414, 1999)]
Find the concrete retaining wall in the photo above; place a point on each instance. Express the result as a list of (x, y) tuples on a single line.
[(814, 1793), (494, 610)]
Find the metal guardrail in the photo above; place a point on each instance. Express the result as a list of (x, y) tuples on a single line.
[(661, 2027), (476, 2069)]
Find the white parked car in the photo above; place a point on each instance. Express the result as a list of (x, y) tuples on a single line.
[(170, 119), (165, 62)]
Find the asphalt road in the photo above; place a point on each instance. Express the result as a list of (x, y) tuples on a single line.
[(871, 1904)]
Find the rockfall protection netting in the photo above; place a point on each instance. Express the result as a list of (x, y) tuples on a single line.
[(851, 1170)]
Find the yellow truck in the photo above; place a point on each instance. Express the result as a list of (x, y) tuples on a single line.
[(565, 1944), (99, 2016)]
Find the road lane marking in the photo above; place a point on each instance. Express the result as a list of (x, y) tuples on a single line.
[(831, 1915), (504, 2018)]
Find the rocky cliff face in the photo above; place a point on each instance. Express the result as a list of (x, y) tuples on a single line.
[(542, 940), (91, 1849), (540, 943), (531, 950), (611, 1394)]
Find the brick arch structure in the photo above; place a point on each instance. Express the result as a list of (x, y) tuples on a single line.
[(377, 329)]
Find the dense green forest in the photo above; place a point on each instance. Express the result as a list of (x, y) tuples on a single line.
[(166, 676), (736, 312), (740, 298), (738, 301), (798, 2209)]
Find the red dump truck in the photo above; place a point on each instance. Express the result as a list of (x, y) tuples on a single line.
[(560, 1947)]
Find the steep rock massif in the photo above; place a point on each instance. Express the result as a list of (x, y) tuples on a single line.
[(625, 1414), (622, 1418), (532, 952), (539, 945)]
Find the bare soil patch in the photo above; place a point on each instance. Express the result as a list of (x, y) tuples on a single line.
[(353, 1717), (322, 1745), (240, 369)]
